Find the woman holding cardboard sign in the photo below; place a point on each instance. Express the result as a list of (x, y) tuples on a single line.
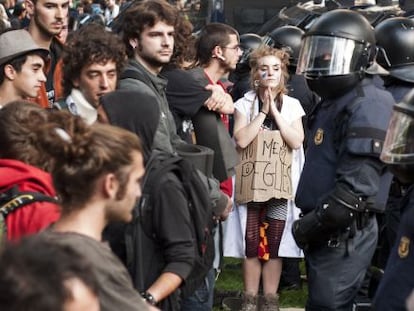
[(268, 108)]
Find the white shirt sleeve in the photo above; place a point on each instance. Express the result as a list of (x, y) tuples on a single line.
[(291, 109)]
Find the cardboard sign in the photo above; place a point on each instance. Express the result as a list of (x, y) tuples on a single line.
[(264, 171)]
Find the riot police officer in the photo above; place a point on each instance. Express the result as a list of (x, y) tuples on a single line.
[(286, 37), (338, 191), (397, 283), (395, 42)]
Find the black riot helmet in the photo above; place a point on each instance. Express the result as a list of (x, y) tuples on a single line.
[(286, 37), (395, 42), (335, 52), (248, 43), (398, 150)]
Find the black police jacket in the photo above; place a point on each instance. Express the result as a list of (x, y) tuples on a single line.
[(344, 143)]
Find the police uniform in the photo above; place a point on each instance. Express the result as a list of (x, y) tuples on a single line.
[(390, 220), (343, 182), (395, 41), (343, 148), (398, 282)]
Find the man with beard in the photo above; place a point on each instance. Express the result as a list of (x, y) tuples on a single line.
[(47, 18), (148, 32), (198, 95), (97, 171)]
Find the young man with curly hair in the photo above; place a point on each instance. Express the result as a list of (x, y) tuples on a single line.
[(92, 61)]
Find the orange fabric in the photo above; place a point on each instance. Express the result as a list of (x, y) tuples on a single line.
[(41, 98), (263, 251), (58, 79)]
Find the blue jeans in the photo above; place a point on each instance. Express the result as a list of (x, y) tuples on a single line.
[(202, 299), (335, 274)]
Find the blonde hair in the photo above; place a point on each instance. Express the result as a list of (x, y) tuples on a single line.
[(258, 54)]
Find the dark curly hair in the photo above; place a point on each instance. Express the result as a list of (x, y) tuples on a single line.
[(18, 140), (184, 44), (146, 14), (90, 44)]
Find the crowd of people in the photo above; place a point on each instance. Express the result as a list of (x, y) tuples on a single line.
[(90, 112)]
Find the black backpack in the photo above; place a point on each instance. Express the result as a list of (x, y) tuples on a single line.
[(12, 199), (200, 212)]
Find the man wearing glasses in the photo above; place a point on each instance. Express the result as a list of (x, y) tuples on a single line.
[(199, 95)]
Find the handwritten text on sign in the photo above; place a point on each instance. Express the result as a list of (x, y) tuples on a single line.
[(264, 171)]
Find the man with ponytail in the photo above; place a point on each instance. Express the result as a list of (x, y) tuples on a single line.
[(97, 173)]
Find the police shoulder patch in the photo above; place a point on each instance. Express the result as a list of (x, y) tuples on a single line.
[(404, 247), (318, 139)]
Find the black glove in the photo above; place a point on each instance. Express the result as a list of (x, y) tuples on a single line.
[(308, 230), (335, 214)]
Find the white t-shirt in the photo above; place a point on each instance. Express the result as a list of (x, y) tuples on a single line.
[(235, 226)]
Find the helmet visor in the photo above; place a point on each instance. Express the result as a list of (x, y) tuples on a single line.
[(399, 141), (268, 40), (329, 56)]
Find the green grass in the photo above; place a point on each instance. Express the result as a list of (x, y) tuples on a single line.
[(231, 280)]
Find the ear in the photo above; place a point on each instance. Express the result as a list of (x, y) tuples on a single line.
[(9, 72), (217, 51), (30, 7), (75, 82), (134, 43), (110, 186)]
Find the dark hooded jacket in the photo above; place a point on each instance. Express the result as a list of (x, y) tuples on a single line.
[(172, 249)]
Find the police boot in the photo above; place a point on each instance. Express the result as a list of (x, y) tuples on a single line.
[(249, 302), (270, 303)]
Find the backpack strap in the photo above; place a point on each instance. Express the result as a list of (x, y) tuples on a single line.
[(14, 199), (142, 78), (131, 74), (155, 168), (136, 75)]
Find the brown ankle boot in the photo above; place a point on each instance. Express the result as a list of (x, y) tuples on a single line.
[(249, 303), (270, 302)]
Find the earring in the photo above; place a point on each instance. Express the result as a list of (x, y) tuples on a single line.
[(256, 83), (133, 43)]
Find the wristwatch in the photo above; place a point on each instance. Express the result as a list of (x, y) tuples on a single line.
[(149, 298)]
